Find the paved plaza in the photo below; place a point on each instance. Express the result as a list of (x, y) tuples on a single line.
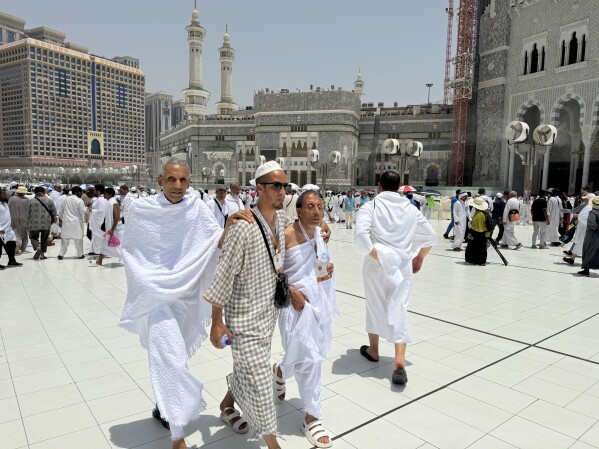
[(502, 357)]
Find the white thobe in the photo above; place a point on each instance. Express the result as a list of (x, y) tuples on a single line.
[(509, 227), (307, 335), (234, 203), (166, 282), (111, 251), (554, 208), (396, 229), (57, 198), (220, 213), (460, 220), (581, 230), (5, 224), (72, 214), (95, 223)]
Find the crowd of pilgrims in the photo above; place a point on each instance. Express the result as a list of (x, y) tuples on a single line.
[(558, 220)]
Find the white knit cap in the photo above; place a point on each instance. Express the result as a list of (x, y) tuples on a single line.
[(266, 168)]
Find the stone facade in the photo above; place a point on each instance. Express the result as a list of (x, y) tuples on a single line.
[(560, 87)]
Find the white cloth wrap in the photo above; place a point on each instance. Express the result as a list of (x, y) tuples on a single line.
[(554, 207), (581, 230), (172, 261), (97, 216), (307, 335), (111, 251), (72, 214), (388, 281), (5, 224)]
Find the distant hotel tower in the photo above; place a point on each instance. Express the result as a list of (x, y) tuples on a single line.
[(63, 107)]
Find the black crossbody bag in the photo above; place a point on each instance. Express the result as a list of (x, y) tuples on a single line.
[(282, 291)]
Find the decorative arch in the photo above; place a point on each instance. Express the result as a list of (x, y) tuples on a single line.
[(430, 168), (525, 106), (559, 104)]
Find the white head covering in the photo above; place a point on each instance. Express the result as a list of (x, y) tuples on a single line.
[(463, 194), (266, 168), (499, 195)]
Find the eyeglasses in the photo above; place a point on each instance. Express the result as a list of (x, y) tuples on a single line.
[(276, 185)]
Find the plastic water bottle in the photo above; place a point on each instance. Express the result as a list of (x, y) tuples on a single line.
[(225, 341)]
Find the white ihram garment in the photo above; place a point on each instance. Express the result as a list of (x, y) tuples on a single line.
[(234, 203), (460, 219), (111, 251), (57, 198), (72, 214), (5, 224), (95, 222), (581, 230), (509, 227), (166, 283), (396, 229), (307, 335), (554, 207)]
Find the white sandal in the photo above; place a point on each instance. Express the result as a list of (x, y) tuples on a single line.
[(278, 384), (237, 424), (314, 431)]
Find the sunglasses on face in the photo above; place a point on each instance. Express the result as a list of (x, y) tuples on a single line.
[(276, 185)]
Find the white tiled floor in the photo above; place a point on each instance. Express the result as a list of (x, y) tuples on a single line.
[(502, 358)]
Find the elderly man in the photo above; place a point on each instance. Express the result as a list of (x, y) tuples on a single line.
[(219, 206), (41, 214), (512, 206), (7, 235), (165, 284), (307, 327), (72, 216), (234, 202), (388, 231), (19, 213)]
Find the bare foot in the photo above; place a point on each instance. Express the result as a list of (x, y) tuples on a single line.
[(179, 444)]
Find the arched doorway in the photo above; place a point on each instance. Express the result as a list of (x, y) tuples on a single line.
[(565, 168), (95, 147), (432, 176)]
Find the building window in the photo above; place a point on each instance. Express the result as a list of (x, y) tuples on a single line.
[(121, 96), (62, 82), (573, 44), (11, 37), (299, 128)]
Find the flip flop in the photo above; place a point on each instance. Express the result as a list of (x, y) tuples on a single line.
[(365, 354)]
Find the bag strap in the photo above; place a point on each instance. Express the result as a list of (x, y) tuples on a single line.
[(266, 242), (219, 208), (45, 207)]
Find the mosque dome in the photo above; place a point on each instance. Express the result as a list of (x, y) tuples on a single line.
[(195, 15)]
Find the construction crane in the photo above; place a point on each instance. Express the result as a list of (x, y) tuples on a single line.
[(448, 57), (462, 86)]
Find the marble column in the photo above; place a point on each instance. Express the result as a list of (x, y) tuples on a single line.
[(574, 160), (510, 176), (546, 160), (587, 140)]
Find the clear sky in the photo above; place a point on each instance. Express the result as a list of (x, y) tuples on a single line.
[(399, 44)]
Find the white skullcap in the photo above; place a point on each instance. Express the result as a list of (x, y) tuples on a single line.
[(462, 194), (499, 195), (266, 168)]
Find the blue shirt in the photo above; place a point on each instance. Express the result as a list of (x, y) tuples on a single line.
[(364, 200)]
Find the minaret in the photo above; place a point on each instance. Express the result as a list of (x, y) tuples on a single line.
[(195, 96), (227, 56), (359, 85)]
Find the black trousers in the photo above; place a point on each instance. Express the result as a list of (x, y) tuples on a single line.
[(11, 248), (41, 241), (500, 235)]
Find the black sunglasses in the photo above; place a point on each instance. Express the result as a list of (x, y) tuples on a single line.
[(277, 185)]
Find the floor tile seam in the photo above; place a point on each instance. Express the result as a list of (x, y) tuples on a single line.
[(410, 432), (587, 431), (68, 433), (436, 390), (493, 436), (551, 428), (536, 345)]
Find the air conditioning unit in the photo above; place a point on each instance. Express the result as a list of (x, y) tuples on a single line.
[(335, 157), (391, 146), (313, 156), (414, 148), (206, 171), (260, 160), (280, 161)]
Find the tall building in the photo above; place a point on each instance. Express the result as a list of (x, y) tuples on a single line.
[(159, 107), (538, 64), (227, 56), (195, 95), (63, 107)]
